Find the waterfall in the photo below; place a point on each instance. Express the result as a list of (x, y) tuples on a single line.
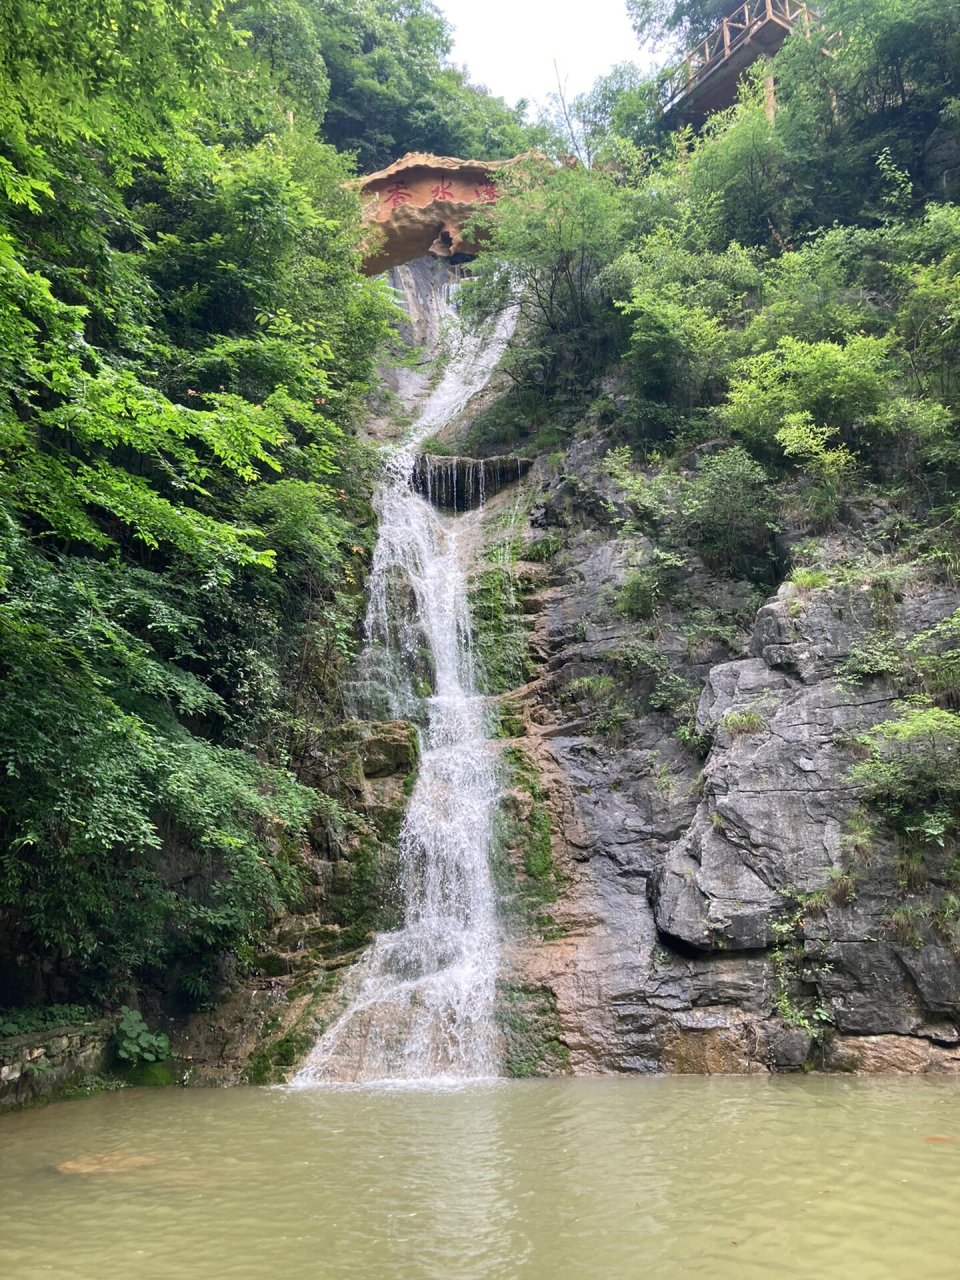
[(420, 1002)]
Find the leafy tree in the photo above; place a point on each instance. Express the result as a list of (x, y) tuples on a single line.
[(549, 239), (184, 518), (727, 512), (391, 90), (837, 387)]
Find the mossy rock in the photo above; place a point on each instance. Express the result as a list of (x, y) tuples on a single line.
[(388, 748), (509, 720), (531, 1030), (524, 870), (153, 1075), (499, 631), (272, 1063)]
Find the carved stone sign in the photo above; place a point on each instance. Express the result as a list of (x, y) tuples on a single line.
[(419, 205)]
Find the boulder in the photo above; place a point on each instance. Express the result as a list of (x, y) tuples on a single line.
[(421, 203)]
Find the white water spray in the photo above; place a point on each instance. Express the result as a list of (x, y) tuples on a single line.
[(421, 1000)]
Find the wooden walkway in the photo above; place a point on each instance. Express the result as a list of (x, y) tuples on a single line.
[(706, 80)]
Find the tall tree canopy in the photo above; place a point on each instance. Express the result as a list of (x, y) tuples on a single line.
[(186, 343)]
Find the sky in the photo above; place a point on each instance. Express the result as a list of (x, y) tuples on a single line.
[(510, 45)]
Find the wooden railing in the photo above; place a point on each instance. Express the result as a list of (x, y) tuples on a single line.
[(725, 39)]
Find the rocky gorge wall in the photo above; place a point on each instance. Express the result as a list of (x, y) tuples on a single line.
[(690, 879), (719, 899)]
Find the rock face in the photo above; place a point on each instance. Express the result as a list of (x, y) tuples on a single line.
[(460, 484), (713, 912), (420, 204), (942, 163)]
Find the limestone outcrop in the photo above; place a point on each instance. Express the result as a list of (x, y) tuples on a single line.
[(421, 203), (714, 912)]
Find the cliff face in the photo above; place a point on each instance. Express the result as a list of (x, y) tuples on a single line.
[(722, 899), (691, 875)]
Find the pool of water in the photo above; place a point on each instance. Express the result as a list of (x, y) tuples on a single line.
[(659, 1178)]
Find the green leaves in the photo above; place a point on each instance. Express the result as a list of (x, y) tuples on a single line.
[(726, 510), (390, 91), (186, 342), (134, 1042), (550, 236), (839, 387)]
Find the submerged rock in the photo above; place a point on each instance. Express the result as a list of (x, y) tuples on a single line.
[(106, 1162)]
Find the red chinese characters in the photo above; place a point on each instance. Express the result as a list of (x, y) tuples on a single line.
[(443, 189), (486, 192), (398, 193)]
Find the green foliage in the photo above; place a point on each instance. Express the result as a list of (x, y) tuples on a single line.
[(545, 548), (808, 392), (187, 343), (678, 347), (651, 496), (683, 22), (90, 1086), (842, 886), (549, 237), (808, 579), (21, 1022), (928, 664), (643, 588), (933, 659), (598, 689), (738, 723), (134, 1043), (795, 1007), (726, 512), (829, 468), (911, 777), (391, 90), (637, 598), (906, 924)]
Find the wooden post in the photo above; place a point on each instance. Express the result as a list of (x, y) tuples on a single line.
[(769, 97), (726, 39)]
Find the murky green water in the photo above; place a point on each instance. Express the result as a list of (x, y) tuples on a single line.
[(656, 1178)]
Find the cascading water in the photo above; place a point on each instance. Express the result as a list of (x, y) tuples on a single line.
[(421, 1001)]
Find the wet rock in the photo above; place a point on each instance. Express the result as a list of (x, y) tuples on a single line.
[(708, 926), (705, 1045), (459, 484), (786, 1048), (387, 747), (889, 1053)]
